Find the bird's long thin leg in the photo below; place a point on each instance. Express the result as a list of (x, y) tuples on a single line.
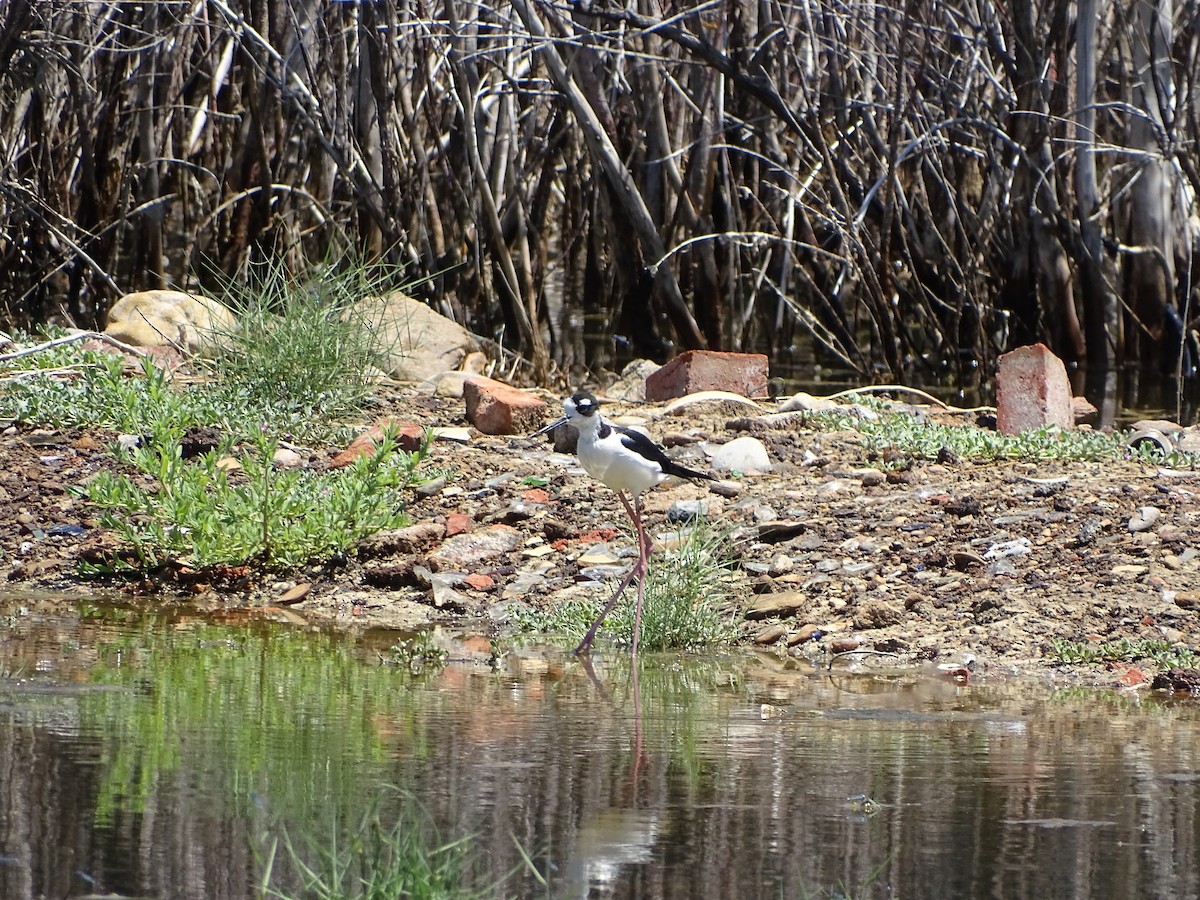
[(642, 563), (608, 607)]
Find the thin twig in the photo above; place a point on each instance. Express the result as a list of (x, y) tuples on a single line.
[(72, 338)]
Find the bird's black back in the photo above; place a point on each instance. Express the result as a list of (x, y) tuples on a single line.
[(644, 446)]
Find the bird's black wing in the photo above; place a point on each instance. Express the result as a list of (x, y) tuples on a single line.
[(644, 446)]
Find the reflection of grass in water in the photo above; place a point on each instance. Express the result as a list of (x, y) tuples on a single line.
[(259, 715), (378, 857)]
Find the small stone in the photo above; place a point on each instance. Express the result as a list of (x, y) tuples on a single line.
[(462, 551), (686, 511), (764, 513), (431, 487), (1187, 599), (965, 559), (401, 541), (804, 634), (873, 478), (459, 523), (845, 645), (477, 581), (285, 458), (445, 594), (770, 634), (1129, 570), (1144, 518), (747, 455), (294, 595), (781, 565), (782, 604), (598, 555), (725, 488)]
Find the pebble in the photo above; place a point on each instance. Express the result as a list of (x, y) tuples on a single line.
[(764, 513), (523, 584), (1187, 599), (283, 458), (598, 555), (431, 487), (780, 565), (873, 478), (725, 488), (805, 633), (782, 604), (745, 454), (462, 551), (770, 634), (1129, 570), (686, 511), (1144, 518)]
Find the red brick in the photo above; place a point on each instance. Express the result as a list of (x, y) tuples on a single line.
[(709, 370), (497, 408), (1032, 391)]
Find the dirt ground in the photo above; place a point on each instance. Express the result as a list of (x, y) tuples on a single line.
[(967, 569)]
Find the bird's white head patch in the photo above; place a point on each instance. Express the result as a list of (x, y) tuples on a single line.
[(582, 404)]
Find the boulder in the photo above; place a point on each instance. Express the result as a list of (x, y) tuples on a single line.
[(417, 343), (191, 322)]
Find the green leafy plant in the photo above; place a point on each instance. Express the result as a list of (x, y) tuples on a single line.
[(1161, 653), (905, 433), (200, 513)]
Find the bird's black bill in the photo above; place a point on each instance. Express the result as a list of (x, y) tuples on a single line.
[(550, 427)]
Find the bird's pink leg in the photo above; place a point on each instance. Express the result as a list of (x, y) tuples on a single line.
[(608, 607), (643, 561)]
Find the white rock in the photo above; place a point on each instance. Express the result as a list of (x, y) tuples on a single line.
[(747, 455)]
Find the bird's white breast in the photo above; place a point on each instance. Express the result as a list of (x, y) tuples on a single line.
[(609, 461)]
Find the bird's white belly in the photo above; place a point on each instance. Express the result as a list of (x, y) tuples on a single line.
[(620, 471)]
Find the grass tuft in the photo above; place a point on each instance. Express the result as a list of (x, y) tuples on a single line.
[(684, 604)]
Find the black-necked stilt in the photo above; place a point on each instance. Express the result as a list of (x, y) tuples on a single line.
[(625, 460)]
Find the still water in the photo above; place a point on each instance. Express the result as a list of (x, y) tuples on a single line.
[(167, 755)]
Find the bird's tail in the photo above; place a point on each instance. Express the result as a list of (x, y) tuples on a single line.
[(673, 468)]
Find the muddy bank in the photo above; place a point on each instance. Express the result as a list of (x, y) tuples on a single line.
[(938, 563)]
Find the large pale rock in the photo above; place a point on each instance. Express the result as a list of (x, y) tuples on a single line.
[(1032, 391), (170, 319), (417, 343), (709, 370)]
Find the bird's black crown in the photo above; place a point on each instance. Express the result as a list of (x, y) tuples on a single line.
[(585, 404)]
